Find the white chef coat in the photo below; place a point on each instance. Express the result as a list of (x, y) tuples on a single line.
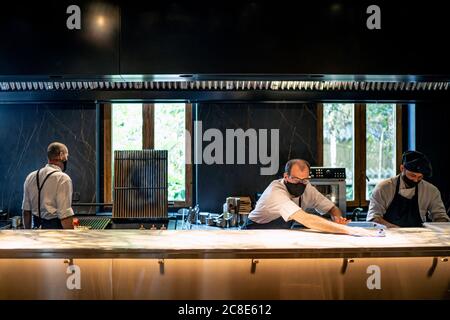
[(56, 195), (276, 201), (429, 199)]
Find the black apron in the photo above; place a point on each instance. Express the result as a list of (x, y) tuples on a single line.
[(402, 211), (39, 222)]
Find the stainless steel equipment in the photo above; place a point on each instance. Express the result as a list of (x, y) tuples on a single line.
[(94, 223), (140, 184), (16, 222), (331, 183)]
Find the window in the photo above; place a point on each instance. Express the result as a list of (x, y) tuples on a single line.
[(380, 144), (338, 142), (366, 140), (170, 135), (126, 131), (162, 126)]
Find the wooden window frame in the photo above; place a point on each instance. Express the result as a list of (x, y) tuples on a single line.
[(360, 148), (148, 142)]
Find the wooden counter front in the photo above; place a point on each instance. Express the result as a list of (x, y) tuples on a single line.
[(144, 264)]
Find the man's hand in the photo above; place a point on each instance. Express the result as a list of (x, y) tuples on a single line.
[(67, 223), (340, 220), (384, 222), (440, 220), (336, 216)]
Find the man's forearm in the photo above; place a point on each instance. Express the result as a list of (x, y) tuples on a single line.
[(26, 216), (320, 224), (335, 212)]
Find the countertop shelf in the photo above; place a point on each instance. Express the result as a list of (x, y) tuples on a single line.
[(410, 242)]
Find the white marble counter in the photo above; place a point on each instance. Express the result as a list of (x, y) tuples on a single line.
[(219, 244)]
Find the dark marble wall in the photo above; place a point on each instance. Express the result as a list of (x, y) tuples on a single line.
[(26, 131), (297, 124), (432, 139)]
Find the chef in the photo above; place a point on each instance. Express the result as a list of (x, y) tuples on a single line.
[(284, 201), (407, 199), (47, 193)]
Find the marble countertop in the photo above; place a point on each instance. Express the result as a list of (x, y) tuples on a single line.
[(408, 242)]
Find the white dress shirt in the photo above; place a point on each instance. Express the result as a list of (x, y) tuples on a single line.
[(429, 199), (56, 195), (276, 201)]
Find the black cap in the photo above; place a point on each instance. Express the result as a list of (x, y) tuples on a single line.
[(416, 161)]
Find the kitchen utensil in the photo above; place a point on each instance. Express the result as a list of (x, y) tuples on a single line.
[(16, 222), (202, 216), (243, 217), (222, 223), (210, 221)]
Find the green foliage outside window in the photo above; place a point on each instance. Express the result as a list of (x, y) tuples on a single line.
[(169, 133), (339, 131), (338, 134)]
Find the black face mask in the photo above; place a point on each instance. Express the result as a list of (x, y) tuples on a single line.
[(409, 183), (64, 165), (295, 189)]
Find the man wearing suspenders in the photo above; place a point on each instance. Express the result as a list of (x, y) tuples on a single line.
[(47, 193)]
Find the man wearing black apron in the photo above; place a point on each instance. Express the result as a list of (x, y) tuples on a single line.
[(47, 200), (406, 200), (282, 202), (404, 212)]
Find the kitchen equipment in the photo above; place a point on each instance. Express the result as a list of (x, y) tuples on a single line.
[(233, 220), (184, 214), (356, 214), (232, 211), (245, 208), (366, 224), (140, 184), (193, 214), (233, 204), (210, 221), (202, 216), (331, 183), (222, 223), (94, 222), (16, 222)]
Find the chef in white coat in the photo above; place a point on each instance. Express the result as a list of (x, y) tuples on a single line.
[(284, 201), (47, 193)]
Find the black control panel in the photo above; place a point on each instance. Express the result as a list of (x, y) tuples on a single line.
[(327, 173)]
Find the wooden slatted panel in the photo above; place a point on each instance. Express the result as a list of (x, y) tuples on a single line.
[(140, 184)]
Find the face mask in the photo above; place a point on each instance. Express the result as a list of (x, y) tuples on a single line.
[(409, 183), (295, 189)]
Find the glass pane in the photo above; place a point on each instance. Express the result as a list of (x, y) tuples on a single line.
[(380, 144), (170, 135), (338, 144), (126, 129)]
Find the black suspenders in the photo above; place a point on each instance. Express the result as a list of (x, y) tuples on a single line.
[(40, 188)]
